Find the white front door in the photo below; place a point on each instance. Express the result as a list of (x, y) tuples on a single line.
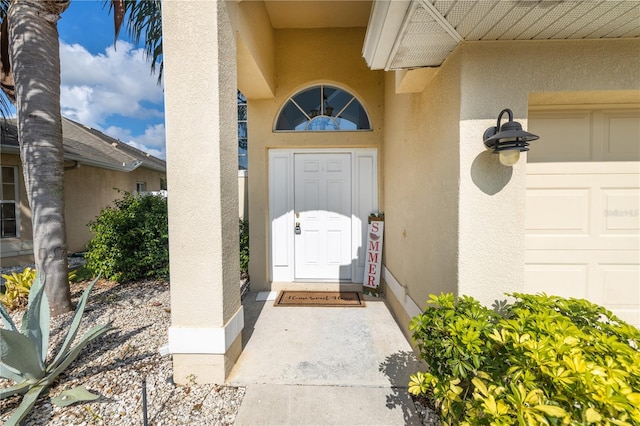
[(322, 215)]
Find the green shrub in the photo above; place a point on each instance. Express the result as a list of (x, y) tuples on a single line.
[(81, 273), (541, 360), (244, 245), (131, 239)]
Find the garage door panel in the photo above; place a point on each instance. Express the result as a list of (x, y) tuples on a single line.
[(619, 128), (621, 290), (565, 280), (621, 210), (596, 209), (572, 170), (582, 256), (606, 277), (630, 316), (563, 137), (583, 208), (564, 242), (621, 284), (558, 211)]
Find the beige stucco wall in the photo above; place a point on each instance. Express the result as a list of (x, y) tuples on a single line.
[(306, 58), (421, 183), (90, 189), (87, 191), (455, 216), (255, 48), (491, 245)]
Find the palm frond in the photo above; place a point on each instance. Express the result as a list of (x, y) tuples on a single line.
[(7, 92), (5, 106), (4, 7), (144, 23)]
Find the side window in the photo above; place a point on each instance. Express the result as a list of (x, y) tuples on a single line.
[(243, 139), (9, 202), (141, 187)]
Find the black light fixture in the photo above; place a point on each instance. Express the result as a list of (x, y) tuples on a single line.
[(508, 140)]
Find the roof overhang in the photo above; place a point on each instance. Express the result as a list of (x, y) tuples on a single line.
[(86, 146), (125, 167), (408, 34)]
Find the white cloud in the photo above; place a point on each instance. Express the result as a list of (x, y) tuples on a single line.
[(152, 141), (153, 136), (98, 89), (118, 133), (154, 152)]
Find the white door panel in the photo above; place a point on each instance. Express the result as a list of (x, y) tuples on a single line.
[(322, 205)]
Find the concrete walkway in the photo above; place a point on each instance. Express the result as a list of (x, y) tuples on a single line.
[(323, 366)]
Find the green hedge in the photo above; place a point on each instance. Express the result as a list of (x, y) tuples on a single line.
[(244, 245), (540, 360), (131, 239)]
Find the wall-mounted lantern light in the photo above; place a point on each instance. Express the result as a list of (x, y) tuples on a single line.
[(508, 140)]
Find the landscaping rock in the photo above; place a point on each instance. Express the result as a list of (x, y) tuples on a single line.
[(115, 366)]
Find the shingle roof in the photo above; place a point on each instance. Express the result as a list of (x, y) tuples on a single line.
[(89, 146)]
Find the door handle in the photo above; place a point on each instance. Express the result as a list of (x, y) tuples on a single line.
[(297, 229)]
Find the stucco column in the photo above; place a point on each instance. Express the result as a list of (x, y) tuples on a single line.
[(492, 199), (492, 206), (491, 216), (201, 129)]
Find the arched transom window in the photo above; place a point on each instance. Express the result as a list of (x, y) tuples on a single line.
[(323, 108)]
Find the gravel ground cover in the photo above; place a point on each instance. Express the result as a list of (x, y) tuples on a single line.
[(115, 365)]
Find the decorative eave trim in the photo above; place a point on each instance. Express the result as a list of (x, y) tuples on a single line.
[(385, 22), (389, 24), (441, 20)]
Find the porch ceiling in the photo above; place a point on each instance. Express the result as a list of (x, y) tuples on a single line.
[(318, 14), (421, 33)]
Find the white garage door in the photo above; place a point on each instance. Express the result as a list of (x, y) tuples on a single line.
[(583, 207)]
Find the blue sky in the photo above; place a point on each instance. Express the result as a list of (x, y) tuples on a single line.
[(111, 90)]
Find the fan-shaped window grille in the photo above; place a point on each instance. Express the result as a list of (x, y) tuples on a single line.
[(323, 108)]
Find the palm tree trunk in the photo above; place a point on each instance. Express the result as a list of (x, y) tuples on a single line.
[(35, 60)]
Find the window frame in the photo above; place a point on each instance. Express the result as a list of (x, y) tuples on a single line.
[(243, 139), (15, 202), (312, 118)]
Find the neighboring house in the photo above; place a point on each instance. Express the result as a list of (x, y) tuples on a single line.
[(96, 167), (435, 75)]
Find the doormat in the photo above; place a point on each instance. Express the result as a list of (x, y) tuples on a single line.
[(320, 298)]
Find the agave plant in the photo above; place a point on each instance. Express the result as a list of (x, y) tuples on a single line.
[(23, 353)]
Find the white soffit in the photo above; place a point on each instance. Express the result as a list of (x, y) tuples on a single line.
[(421, 33)]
